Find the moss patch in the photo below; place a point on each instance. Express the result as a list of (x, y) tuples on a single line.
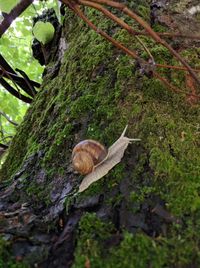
[(6, 258)]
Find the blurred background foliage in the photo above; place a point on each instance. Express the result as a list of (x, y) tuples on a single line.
[(15, 47)]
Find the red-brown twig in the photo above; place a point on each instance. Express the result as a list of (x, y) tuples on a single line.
[(169, 35), (126, 27), (151, 32), (77, 10), (191, 98), (181, 68)]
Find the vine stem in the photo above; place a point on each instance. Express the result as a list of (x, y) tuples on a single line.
[(75, 7), (151, 32), (128, 28)]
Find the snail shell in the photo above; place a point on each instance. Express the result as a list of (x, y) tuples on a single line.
[(86, 155)]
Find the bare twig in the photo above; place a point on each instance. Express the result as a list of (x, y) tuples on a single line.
[(151, 32), (32, 91), (181, 68), (7, 117), (14, 13), (4, 146), (169, 35), (131, 53), (12, 91), (9, 77), (173, 88), (117, 20), (18, 79), (129, 29), (26, 84)]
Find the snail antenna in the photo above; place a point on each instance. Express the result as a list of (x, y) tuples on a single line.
[(123, 133)]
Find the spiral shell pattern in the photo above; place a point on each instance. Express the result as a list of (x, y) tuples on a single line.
[(87, 154)]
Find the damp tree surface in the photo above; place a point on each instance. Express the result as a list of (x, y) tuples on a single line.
[(106, 64)]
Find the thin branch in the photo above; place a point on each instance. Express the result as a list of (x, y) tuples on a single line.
[(173, 88), (18, 79), (145, 48), (32, 91), (170, 35), (77, 10), (180, 68), (120, 22), (11, 80), (8, 137), (5, 65), (130, 30), (3, 146), (14, 13), (151, 32), (131, 53), (1, 131), (12, 91), (7, 71), (7, 117)]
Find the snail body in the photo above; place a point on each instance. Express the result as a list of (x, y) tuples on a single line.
[(87, 154), (91, 158)]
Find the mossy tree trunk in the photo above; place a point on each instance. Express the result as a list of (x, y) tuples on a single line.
[(146, 211)]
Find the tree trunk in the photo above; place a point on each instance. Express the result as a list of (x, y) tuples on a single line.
[(145, 211)]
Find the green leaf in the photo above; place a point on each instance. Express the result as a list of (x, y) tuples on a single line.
[(7, 5), (43, 32)]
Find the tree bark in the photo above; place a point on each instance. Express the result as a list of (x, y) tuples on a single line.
[(145, 212)]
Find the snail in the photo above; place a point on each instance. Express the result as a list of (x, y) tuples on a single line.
[(91, 158), (87, 154)]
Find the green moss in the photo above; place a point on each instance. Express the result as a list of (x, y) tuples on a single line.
[(137, 251), (144, 12), (191, 55), (6, 258), (93, 232), (159, 28), (134, 251), (142, 194)]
